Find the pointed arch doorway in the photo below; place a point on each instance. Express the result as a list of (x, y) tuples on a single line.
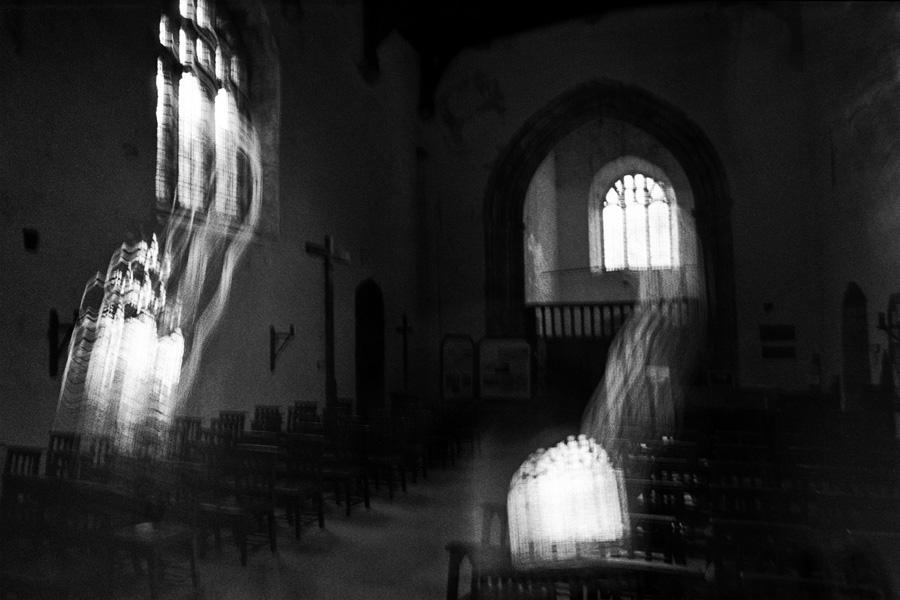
[(370, 388), (507, 313)]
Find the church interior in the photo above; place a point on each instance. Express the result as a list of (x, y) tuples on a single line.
[(392, 299)]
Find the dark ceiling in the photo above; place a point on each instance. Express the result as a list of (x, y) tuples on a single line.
[(440, 30)]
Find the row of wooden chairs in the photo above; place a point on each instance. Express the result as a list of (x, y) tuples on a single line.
[(63, 534)]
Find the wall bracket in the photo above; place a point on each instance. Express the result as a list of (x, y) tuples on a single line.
[(277, 342)]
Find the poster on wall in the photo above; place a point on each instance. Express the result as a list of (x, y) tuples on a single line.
[(504, 368), (457, 367)]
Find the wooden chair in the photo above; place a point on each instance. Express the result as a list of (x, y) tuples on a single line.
[(735, 473), (232, 420), (344, 463), (97, 460), (616, 577), (214, 445), (185, 437), (756, 503), (266, 418), (384, 452), (176, 530), (60, 549), (301, 478), (692, 473), (62, 454), (21, 506), (303, 417), (652, 497), (22, 460), (243, 494), (656, 537)]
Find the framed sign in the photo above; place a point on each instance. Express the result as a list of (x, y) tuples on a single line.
[(457, 367), (504, 368)]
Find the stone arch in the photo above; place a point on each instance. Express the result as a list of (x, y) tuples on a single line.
[(510, 178)]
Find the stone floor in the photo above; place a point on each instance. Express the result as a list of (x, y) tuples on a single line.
[(394, 550)]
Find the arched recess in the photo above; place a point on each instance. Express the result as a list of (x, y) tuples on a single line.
[(503, 205)]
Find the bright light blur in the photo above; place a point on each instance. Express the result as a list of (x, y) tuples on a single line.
[(641, 392), (565, 505)]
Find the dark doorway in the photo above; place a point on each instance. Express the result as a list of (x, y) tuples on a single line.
[(369, 348)]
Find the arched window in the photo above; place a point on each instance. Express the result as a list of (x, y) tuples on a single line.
[(206, 142), (633, 224)]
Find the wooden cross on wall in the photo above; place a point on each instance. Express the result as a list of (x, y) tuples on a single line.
[(329, 256), (404, 330)]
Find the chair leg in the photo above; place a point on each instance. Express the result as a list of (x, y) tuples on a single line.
[(240, 538), (320, 501), (272, 541), (153, 571), (193, 555)]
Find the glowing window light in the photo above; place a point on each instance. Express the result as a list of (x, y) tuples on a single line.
[(111, 371), (227, 129), (635, 224), (187, 8), (566, 505), (205, 13), (101, 371), (223, 65), (189, 170), (134, 367), (167, 37), (165, 132), (69, 412), (166, 374), (660, 229), (613, 230), (191, 135), (206, 55), (238, 76), (638, 227), (185, 48)]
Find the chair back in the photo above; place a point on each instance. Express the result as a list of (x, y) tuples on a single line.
[(97, 459), (303, 417), (254, 468), (22, 460), (233, 420), (185, 436), (62, 454), (266, 418)]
